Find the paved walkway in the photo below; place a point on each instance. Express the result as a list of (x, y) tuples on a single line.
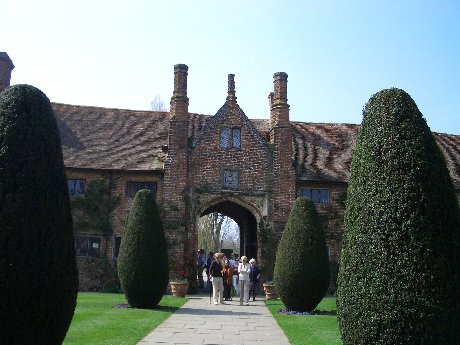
[(199, 322)]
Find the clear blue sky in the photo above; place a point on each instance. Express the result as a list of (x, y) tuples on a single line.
[(336, 53)]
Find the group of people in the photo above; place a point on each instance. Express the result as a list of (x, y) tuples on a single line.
[(224, 273)]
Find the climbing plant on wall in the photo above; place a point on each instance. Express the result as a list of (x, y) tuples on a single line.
[(92, 211)]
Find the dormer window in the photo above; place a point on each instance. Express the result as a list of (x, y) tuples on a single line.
[(230, 137)]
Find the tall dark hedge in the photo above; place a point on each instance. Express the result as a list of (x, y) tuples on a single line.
[(302, 272), (143, 258), (398, 281), (38, 274)]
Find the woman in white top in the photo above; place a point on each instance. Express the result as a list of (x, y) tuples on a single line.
[(243, 269)]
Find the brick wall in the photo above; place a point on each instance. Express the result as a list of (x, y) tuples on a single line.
[(332, 214), (208, 160), (94, 272)]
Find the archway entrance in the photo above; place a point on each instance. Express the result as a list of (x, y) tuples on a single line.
[(246, 221), (218, 232)]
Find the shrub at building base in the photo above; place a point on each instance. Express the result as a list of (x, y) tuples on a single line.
[(38, 274), (302, 273), (143, 258), (398, 280)]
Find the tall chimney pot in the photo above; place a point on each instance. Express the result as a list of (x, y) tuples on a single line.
[(6, 66)]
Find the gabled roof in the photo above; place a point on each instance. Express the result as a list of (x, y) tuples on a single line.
[(220, 117), (117, 139)]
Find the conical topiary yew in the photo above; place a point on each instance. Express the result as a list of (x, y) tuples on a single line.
[(398, 281), (38, 273), (302, 271), (143, 259)]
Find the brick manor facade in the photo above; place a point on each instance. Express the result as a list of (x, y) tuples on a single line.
[(251, 170)]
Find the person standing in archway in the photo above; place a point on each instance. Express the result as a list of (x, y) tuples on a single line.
[(243, 270), (200, 265), (234, 264), (254, 275), (209, 261), (217, 282), (227, 272)]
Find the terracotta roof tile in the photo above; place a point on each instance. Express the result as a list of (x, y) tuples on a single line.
[(103, 138)]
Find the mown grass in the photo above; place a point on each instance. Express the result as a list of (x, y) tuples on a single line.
[(308, 329), (97, 322)]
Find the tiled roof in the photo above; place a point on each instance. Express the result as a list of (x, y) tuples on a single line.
[(450, 148), (103, 138), (322, 152)]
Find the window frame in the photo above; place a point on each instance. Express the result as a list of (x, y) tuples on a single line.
[(116, 253), (154, 183), (230, 136), (302, 192), (75, 181), (89, 239)]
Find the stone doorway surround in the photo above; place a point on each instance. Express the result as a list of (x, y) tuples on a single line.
[(245, 214)]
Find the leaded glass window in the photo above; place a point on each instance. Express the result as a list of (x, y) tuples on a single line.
[(236, 137), (224, 137), (230, 137)]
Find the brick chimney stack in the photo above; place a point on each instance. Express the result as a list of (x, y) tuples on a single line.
[(176, 173), (271, 95), (231, 98), (178, 113), (6, 66), (279, 114), (281, 140), (179, 99)]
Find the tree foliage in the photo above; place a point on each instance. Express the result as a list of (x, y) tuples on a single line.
[(399, 273), (215, 230), (38, 273), (143, 258), (302, 272), (158, 104)]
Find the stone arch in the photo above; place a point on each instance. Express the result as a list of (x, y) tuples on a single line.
[(235, 199), (245, 214)]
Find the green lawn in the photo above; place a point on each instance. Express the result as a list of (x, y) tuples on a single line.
[(308, 329), (96, 322)]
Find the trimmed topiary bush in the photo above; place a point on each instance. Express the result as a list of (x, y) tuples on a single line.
[(143, 258), (302, 272), (398, 281), (38, 273)]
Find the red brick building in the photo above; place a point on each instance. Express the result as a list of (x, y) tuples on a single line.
[(251, 170)]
